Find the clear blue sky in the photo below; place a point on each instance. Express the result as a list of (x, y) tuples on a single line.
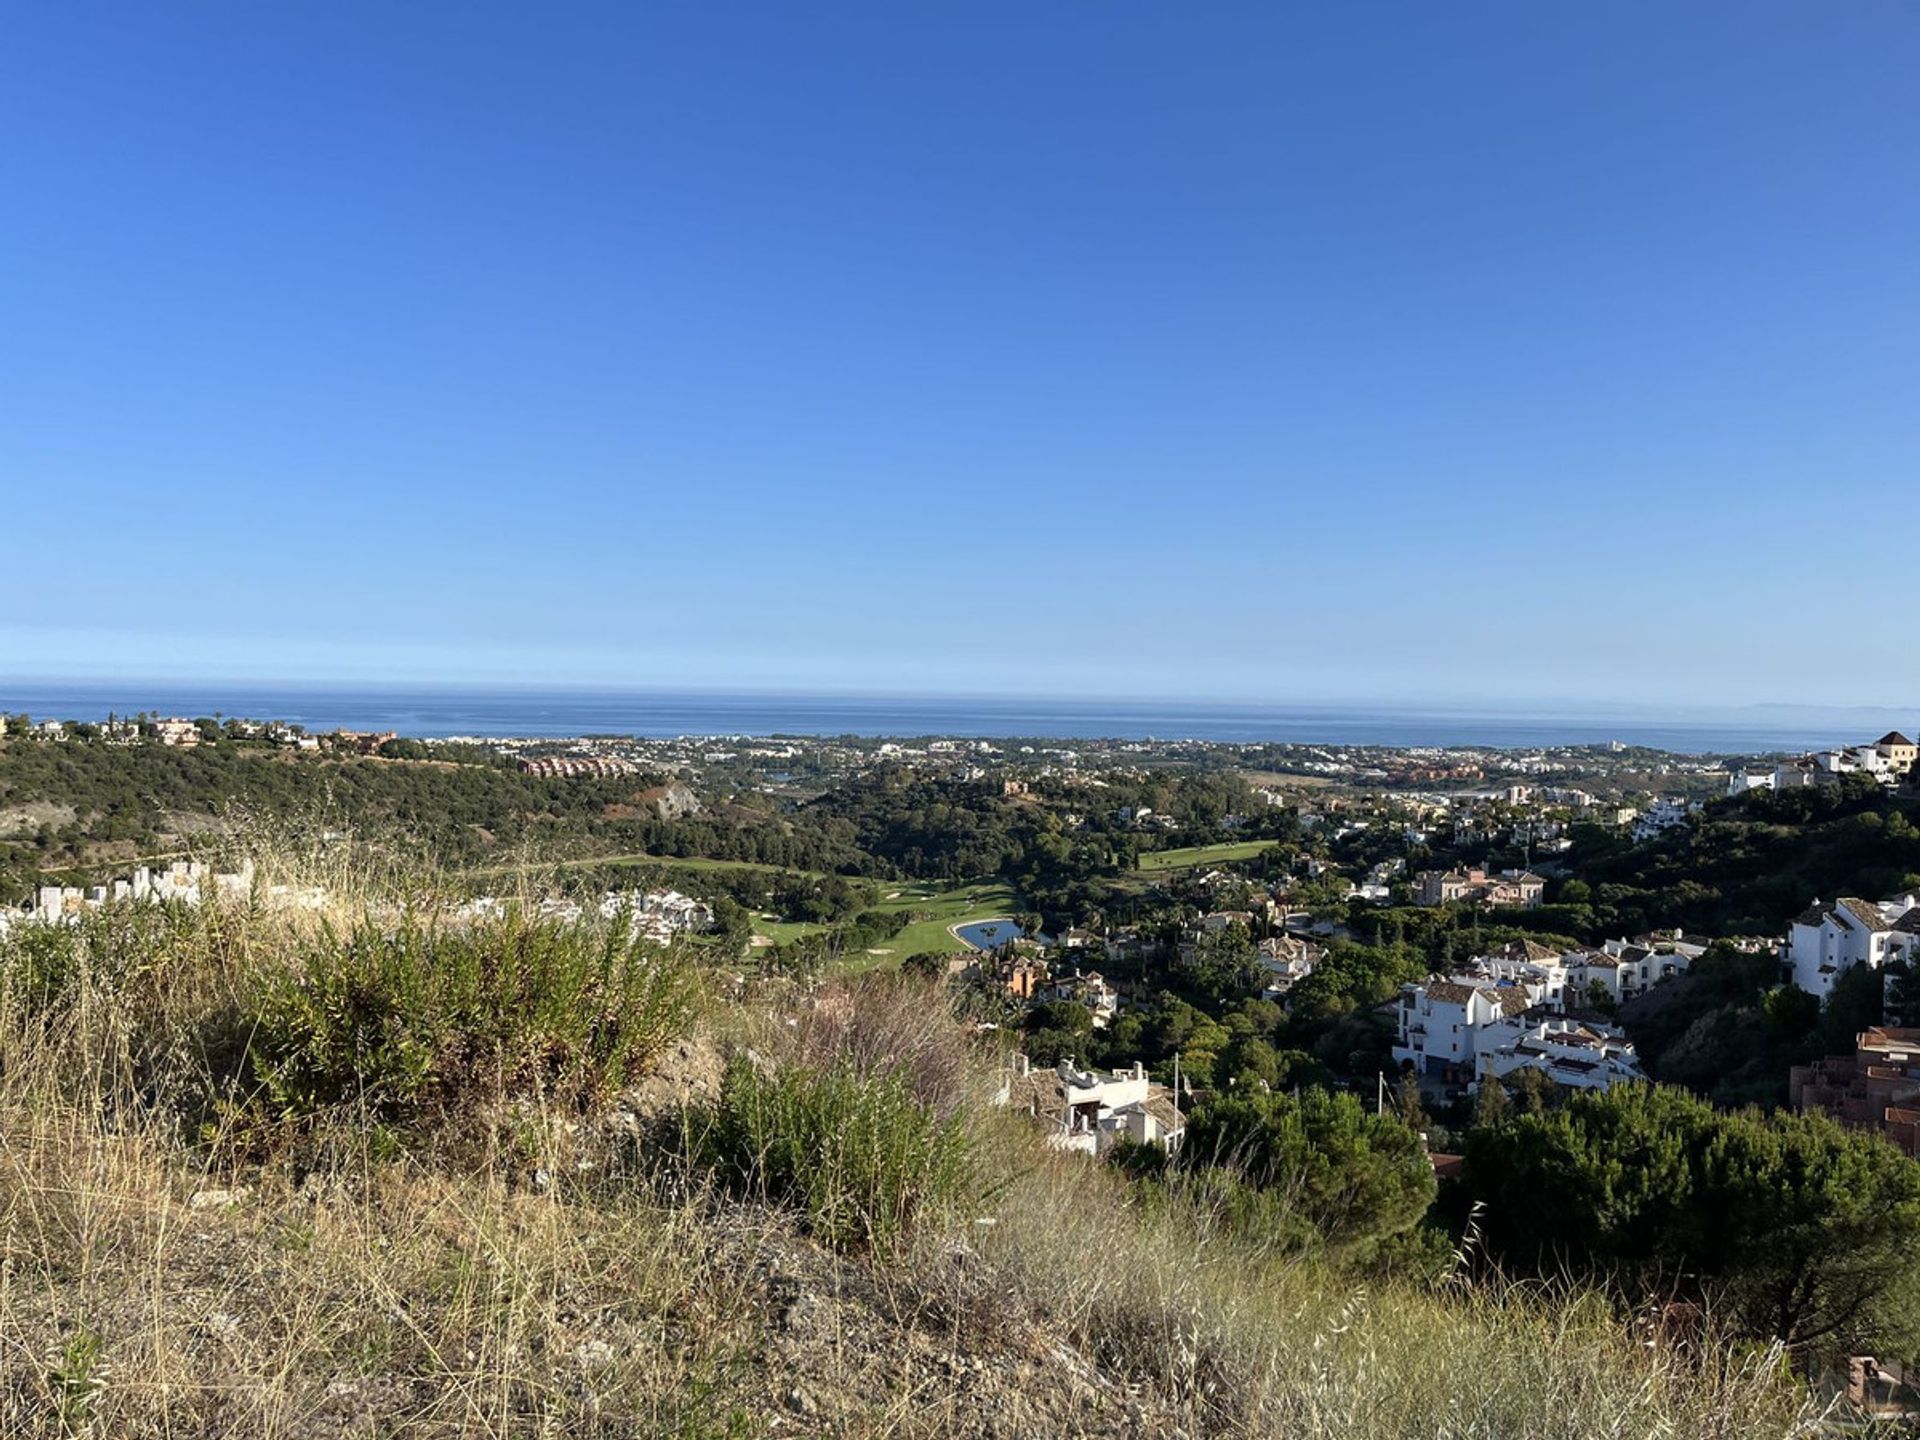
[(1346, 350)]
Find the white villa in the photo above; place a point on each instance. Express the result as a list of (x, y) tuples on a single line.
[(1826, 940), (1087, 1110), (1580, 1055), (1442, 1022)]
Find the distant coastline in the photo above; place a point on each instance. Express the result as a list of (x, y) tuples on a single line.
[(434, 713)]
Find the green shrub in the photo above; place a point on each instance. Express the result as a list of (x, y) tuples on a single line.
[(1319, 1168), (421, 1022), (859, 1156), (106, 952)]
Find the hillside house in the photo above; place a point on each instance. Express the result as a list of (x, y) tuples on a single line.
[(1826, 940), (1089, 1110), (1441, 1022), (1520, 889), (1088, 988)]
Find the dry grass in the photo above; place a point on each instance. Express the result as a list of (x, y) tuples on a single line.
[(1257, 1342), (577, 1283), (883, 1025)]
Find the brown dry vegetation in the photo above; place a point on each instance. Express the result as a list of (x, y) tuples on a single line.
[(180, 1259)]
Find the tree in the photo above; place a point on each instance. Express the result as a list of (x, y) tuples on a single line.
[(1344, 1177), (1533, 1089), (1408, 1105), (1788, 1225), (927, 964), (1855, 1002), (1492, 1106), (1599, 999)]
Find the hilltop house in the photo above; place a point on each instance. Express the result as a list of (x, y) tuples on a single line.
[(176, 731), (1901, 752)]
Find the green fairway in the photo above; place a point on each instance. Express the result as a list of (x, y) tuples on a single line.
[(940, 905), (1193, 855), (783, 931), (944, 905)]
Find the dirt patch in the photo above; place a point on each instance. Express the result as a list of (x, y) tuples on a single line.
[(188, 822), (686, 1073), (19, 820)]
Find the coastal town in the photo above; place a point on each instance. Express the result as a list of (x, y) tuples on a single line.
[(1326, 837)]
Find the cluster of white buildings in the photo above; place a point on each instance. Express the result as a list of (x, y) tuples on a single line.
[(1508, 1011), (1666, 813), (1089, 1110), (186, 881), (1889, 760), (656, 915)]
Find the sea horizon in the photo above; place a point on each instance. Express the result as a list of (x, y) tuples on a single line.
[(502, 711)]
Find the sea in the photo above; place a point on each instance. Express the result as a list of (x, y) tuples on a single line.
[(431, 712)]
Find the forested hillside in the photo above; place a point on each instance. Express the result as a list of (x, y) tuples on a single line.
[(1748, 865)]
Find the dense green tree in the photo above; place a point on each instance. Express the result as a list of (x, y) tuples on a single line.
[(1793, 1227), (1343, 1176)]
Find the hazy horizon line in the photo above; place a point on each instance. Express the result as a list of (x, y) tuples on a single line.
[(1494, 704)]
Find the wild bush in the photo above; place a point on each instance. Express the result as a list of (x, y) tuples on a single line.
[(884, 1024), (420, 1022), (858, 1156)]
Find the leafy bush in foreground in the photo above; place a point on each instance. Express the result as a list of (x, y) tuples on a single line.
[(414, 1023), (859, 1156)]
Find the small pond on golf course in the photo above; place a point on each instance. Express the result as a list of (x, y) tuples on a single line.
[(992, 934)]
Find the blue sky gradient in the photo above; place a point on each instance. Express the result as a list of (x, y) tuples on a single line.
[(1363, 350)]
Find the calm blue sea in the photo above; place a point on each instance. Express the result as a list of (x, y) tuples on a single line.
[(433, 712)]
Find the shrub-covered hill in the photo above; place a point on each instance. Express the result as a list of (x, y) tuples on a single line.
[(1748, 865), (336, 1176)]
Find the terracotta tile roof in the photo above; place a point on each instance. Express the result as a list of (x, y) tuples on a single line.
[(1512, 1000), (1864, 912), (1159, 1104)]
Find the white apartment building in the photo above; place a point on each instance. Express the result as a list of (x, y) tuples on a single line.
[(1826, 940), (1580, 1055), (1441, 1021)]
